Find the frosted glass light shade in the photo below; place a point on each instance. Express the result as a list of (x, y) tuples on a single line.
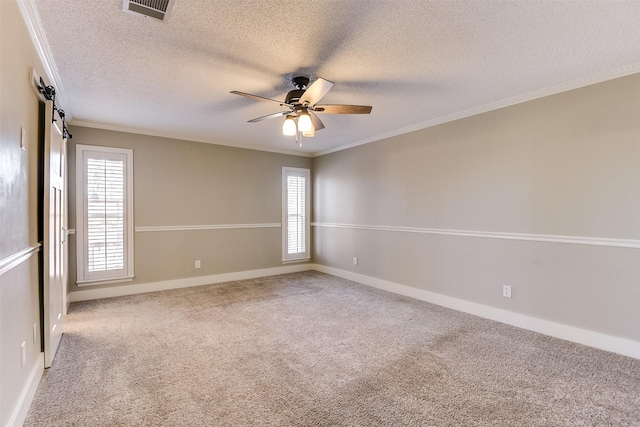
[(311, 133), (289, 127), (304, 123)]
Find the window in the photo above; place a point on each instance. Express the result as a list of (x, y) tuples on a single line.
[(104, 214), (295, 214)]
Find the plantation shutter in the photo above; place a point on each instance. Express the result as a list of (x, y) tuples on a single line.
[(295, 214), (105, 213)]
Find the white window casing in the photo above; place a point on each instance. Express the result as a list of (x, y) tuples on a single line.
[(296, 198), (104, 214)]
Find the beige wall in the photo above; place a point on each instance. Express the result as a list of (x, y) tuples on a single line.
[(179, 183), (19, 295), (567, 164), (563, 165)]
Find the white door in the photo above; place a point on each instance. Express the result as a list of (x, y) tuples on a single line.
[(65, 232), (53, 232)]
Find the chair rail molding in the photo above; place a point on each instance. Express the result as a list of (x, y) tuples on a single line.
[(551, 238), (18, 258), (206, 227)]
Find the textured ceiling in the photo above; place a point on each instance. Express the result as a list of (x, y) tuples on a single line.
[(416, 62)]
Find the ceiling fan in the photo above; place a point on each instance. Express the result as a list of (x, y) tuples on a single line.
[(302, 106)]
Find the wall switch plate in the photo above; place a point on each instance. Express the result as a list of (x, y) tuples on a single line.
[(198, 263), (506, 291), (355, 260), (23, 354), (23, 138)]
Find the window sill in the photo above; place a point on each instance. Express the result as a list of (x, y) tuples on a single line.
[(103, 281), (293, 261)]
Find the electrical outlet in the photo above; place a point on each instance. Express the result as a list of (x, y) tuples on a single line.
[(355, 260), (23, 354), (35, 333), (198, 265), (506, 291)]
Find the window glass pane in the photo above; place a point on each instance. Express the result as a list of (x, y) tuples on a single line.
[(296, 227), (105, 214), (295, 213)]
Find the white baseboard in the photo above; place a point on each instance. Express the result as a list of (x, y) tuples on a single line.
[(570, 333), (21, 410), (610, 343), (141, 288)]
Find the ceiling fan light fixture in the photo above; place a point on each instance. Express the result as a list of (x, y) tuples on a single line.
[(289, 126), (304, 122), (302, 106)]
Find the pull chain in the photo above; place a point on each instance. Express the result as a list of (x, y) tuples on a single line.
[(298, 138)]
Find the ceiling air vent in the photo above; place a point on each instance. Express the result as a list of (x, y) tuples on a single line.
[(158, 9)]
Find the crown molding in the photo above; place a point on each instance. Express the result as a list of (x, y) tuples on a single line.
[(518, 99), (32, 21), (183, 137)]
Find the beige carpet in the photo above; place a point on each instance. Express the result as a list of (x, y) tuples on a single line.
[(309, 349)]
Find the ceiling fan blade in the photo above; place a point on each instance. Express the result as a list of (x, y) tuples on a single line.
[(317, 123), (316, 91), (270, 116), (259, 98), (342, 109)]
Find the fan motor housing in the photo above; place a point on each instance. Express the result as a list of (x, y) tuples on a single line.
[(294, 96)]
